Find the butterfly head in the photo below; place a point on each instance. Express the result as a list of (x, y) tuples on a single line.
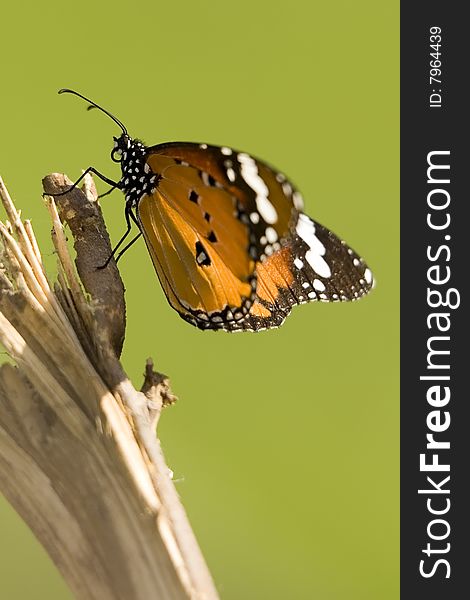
[(122, 145)]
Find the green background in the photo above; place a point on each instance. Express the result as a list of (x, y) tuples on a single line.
[(284, 444)]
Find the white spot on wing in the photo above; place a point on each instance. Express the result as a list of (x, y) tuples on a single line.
[(298, 263), (306, 230), (249, 172), (368, 276), (266, 209), (319, 285), (287, 188), (226, 151), (231, 174), (254, 218), (297, 200), (271, 235)]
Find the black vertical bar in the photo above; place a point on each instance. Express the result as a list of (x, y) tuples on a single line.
[(431, 252)]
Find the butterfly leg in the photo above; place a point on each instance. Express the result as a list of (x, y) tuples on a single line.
[(89, 170), (114, 187), (127, 246), (129, 215)]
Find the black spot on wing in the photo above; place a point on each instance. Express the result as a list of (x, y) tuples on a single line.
[(202, 258)]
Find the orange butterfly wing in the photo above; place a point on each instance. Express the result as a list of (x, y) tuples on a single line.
[(231, 245), (202, 258)]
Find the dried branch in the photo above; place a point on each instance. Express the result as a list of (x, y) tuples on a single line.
[(92, 245), (79, 458)]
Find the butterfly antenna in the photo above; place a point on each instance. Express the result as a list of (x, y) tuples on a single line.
[(94, 105)]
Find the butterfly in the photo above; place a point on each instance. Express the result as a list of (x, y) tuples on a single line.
[(227, 235)]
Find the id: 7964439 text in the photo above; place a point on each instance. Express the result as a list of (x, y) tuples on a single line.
[(435, 63)]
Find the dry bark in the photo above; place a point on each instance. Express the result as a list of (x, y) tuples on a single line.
[(79, 458)]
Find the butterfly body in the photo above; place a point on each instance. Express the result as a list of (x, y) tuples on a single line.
[(228, 238)]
